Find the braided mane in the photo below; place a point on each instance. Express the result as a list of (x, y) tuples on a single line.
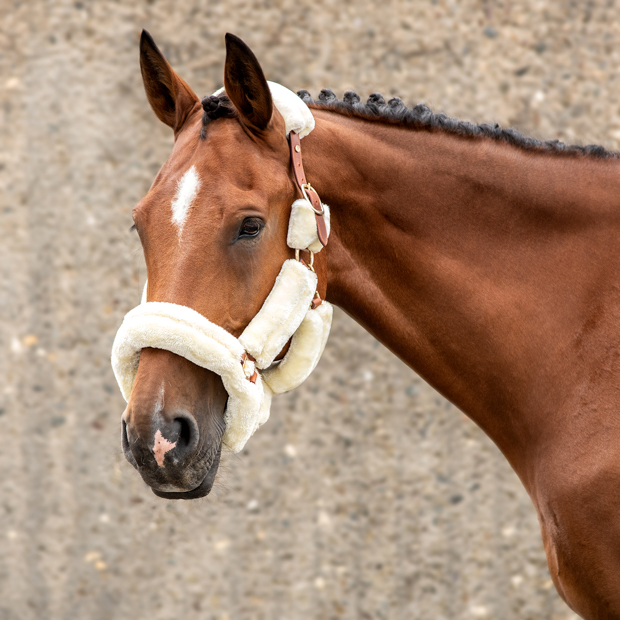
[(395, 112)]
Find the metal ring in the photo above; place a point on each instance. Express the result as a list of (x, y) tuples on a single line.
[(303, 191)]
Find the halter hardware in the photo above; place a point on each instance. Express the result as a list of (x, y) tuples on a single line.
[(245, 358), (305, 188), (301, 260)]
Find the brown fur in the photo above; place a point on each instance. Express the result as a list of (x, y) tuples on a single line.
[(491, 270)]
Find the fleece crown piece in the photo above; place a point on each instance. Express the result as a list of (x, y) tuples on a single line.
[(297, 115)]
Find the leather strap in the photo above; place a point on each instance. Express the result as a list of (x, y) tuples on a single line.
[(306, 188)]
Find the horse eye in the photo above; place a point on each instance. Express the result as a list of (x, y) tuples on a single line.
[(250, 228)]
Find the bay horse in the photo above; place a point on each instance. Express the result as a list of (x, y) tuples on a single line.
[(488, 262)]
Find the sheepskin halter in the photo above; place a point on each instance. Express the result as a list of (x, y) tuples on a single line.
[(292, 311)]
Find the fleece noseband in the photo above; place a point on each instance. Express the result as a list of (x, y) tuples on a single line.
[(292, 311)]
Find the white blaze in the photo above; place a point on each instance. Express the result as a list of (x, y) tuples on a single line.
[(159, 404), (187, 190)]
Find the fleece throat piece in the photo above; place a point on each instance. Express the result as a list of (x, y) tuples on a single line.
[(250, 380)]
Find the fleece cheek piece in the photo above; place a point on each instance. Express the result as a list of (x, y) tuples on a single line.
[(302, 226), (281, 314), (306, 348)]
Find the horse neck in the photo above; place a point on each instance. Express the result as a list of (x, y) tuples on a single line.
[(490, 270)]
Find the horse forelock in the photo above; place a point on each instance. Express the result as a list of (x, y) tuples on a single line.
[(215, 107)]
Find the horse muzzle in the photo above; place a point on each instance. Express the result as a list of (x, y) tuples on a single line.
[(172, 462), (171, 430)]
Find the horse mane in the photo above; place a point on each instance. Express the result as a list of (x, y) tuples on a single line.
[(394, 112)]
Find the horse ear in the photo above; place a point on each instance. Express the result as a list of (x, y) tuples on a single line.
[(246, 85), (170, 97)]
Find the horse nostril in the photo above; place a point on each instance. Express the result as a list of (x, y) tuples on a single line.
[(124, 439), (185, 432), (125, 444), (185, 429), (170, 442)]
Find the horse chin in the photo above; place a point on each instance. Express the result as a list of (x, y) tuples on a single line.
[(202, 490)]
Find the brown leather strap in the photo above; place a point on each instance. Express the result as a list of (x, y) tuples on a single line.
[(298, 165), (300, 177)]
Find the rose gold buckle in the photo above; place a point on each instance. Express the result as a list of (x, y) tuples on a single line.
[(306, 187)]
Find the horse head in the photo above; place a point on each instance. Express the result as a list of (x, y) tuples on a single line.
[(213, 227)]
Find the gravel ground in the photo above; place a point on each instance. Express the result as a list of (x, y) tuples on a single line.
[(366, 495)]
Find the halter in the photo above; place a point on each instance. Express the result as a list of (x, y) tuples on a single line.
[(292, 311)]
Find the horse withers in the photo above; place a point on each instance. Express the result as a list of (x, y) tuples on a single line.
[(488, 262)]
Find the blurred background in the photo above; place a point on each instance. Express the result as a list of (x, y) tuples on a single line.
[(366, 495)]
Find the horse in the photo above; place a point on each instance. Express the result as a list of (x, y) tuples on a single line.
[(486, 261)]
